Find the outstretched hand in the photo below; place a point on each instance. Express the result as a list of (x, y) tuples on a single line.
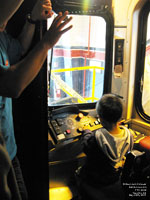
[(57, 29)]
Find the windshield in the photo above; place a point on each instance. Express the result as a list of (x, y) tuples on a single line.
[(77, 62)]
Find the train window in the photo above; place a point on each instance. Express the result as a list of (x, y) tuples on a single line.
[(76, 64), (146, 76), (142, 102)]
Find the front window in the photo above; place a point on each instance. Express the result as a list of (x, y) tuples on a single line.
[(77, 62)]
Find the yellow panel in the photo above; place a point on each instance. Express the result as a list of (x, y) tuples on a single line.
[(121, 9)]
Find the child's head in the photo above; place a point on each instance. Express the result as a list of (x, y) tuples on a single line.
[(109, 108)]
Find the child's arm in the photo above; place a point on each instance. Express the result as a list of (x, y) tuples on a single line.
[(88, 142)]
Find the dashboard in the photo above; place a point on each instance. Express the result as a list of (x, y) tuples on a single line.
[(66, 125), (69, 123)]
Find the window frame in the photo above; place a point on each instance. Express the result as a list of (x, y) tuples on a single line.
[(140, 61), (106, 14)]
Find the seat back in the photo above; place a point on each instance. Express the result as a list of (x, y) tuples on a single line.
[(134, 165), (136, 172)]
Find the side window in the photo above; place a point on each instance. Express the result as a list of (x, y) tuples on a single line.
[(146, 75), (77, 63), (142, 93)]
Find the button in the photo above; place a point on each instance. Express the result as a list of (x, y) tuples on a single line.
[(80, 115), (60, 122), (96, 122), (54, 123), (99, 120), (61, 136), (68, 131)]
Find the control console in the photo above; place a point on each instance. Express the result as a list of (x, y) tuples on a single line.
[(66, 124)]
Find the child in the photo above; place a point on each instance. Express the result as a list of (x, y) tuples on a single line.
[(106, 148)]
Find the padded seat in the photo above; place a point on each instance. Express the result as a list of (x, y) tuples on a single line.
[(145, 143)]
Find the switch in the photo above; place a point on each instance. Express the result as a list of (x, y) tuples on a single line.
[(60, 122), (79, 116), (96, 122), (61, 136)]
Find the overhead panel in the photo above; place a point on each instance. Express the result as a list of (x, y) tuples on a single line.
[(61, 5)]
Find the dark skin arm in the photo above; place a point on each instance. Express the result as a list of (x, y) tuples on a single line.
[(16, 78), (41, 11)]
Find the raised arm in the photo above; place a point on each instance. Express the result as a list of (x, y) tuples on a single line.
[(41, 11), (16, 78), (5, 13)]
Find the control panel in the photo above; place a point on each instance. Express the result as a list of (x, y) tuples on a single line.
[(70, 125), (69, 122)]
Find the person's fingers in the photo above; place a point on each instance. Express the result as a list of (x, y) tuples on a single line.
[(66, 29), (46, 7), (64, 23), (60, 17), (56, 19), (47, 2), (47, 12)]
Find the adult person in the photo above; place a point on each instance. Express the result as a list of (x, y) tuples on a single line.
[(105, 149), (16, 75), (8, 185), (6, 13)]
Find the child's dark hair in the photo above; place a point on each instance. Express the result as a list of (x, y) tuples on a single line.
[(109, 108)]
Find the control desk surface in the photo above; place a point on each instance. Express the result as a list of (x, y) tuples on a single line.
[(68, 125), (69, 122)]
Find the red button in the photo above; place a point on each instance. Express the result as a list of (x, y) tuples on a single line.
[(68, 131)]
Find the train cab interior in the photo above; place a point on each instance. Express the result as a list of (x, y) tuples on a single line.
[(106, 51)]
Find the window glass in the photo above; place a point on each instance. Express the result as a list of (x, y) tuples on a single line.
[(145, 82), (77, 62)]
